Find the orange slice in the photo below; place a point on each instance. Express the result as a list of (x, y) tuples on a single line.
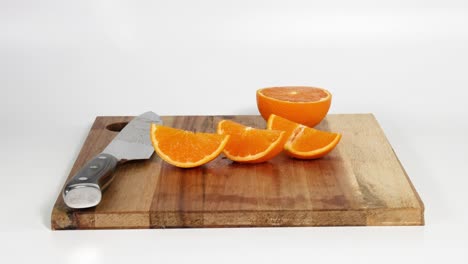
[(301, 104), (186, 149), (304, 142), (250, 145)]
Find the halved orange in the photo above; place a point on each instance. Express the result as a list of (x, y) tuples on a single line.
[(301, 104), (184, 148), (304, 142), (250, 145)]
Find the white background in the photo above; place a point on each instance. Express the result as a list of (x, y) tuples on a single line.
[(64, 62)]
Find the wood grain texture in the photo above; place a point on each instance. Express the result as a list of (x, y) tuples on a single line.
[(361, 182)]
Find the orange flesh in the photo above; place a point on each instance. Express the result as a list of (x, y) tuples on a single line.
[(304, 142), (185, 148), (189, 147), (295, 94), (250, 143), (302, 139), (282, 124), (247, 144)]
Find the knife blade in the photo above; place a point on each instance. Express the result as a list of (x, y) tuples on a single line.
[(85, 188)]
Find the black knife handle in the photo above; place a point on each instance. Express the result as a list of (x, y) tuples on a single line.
[(85, 188)]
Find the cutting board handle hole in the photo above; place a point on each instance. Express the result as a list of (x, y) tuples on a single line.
[(116, 127)]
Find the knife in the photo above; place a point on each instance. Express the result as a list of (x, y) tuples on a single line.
[(85, 188)]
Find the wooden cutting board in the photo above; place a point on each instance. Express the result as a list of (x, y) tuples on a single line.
[(360, 183)]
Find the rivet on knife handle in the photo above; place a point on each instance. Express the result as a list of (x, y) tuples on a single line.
[(85, 188)]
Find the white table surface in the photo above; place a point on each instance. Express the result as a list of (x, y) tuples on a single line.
[(64, 62)]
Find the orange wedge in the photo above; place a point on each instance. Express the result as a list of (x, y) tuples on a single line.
[(304, 142), (250, 145), (186, 149)]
